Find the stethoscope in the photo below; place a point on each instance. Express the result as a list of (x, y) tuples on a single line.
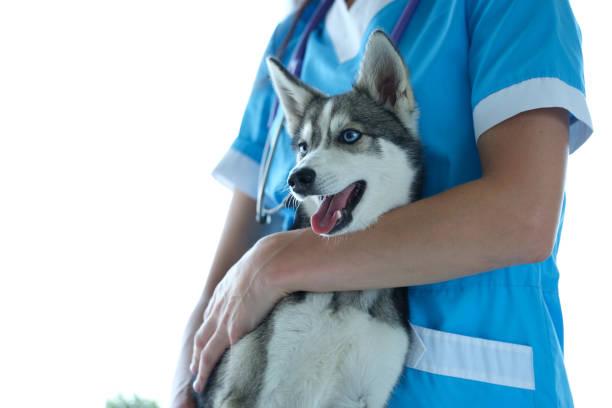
[(275, 125)]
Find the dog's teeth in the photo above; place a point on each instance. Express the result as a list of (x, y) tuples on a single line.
[(338, 216)]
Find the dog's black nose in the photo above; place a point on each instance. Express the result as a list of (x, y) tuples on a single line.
[(302, 180)]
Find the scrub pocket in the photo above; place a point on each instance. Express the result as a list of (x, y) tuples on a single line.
[(471, 358), (452, 370)]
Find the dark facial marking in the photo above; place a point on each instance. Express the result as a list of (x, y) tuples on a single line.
[(311, 114)]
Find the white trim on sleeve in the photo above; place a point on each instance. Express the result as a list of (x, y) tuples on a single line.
[(238, 171), (471, 358), (533, 94)]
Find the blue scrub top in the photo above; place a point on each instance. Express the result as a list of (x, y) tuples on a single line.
[(494, 339)]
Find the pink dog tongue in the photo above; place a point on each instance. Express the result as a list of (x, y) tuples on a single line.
[(329, 212)]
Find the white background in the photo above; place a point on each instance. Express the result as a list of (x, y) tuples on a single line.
[(112, 116)]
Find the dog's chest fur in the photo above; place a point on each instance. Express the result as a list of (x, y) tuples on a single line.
[(319, 350)]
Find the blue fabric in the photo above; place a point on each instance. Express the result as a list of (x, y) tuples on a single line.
[(459, 52)]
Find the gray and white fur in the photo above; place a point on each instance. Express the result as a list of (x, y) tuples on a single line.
[(339, 349)]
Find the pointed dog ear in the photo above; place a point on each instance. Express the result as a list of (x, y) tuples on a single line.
[(293, 94), (384, 77)]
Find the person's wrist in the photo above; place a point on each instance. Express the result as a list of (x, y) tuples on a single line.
[(269, 250), (279, 274)]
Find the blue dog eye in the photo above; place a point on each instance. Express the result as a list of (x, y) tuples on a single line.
[(302, 147), (350, 136)]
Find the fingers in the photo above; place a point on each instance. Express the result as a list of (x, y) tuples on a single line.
[(207, 328), (209, 357), (223, 324), (234, 328), (199, 341)]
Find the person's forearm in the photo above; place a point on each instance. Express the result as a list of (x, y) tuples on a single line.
[(459, 232)]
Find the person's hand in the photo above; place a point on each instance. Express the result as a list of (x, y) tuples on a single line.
[(182, 391), (239, 303)]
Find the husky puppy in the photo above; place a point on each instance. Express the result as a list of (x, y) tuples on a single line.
[(358, 157)]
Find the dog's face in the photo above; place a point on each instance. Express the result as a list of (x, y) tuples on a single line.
[(357, 153)]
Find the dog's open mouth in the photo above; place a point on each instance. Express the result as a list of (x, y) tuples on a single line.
[(335, 211)]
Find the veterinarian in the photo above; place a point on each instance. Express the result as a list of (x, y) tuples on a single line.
[(500, 88)]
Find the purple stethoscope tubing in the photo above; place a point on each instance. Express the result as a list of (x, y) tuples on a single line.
[(275, 122)]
